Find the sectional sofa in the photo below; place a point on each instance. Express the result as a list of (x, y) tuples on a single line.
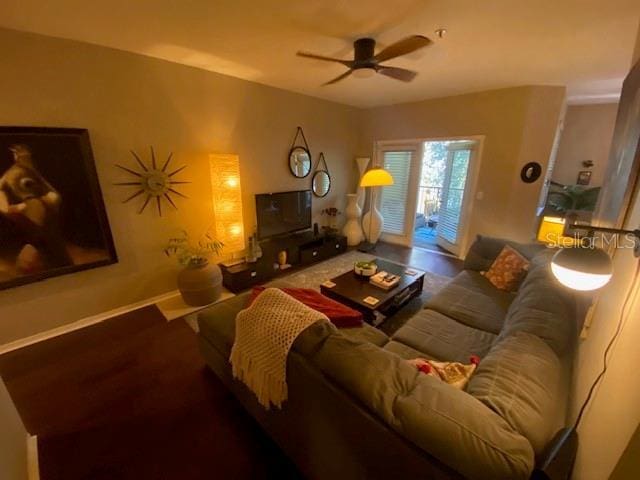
[(357, 409)]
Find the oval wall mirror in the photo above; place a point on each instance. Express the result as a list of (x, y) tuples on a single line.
[(530, 172), (299, 161), (321, 180), (321, 183)]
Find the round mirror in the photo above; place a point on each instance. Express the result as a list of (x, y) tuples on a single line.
[(530, 172), (321, 183), (299, 162)]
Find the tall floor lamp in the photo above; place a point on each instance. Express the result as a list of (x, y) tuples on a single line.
[(375, 177)]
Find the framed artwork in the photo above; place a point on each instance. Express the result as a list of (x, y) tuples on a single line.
[(584, 177), (52, 216)]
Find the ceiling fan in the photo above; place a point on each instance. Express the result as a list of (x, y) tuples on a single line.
[(366, 62)]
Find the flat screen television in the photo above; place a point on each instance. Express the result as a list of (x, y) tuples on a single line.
[(283, 212)]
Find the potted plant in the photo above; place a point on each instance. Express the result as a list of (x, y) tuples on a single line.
[(565, 198), (200, 281)]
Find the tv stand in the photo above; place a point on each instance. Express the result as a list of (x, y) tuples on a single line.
[(303, 248)]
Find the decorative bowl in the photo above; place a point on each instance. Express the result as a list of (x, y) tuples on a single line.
[(365, 268)]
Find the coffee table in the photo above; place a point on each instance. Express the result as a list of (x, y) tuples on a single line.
[(351, 289)]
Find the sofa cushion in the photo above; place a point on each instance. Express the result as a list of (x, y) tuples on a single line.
[(543, 309), (484, 250), (471, 299), (520, 379), (405, 351), (440, 419), (366, 333), (218, 322), (439, 337)]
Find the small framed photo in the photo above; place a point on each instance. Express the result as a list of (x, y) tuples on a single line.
[(584, 177)]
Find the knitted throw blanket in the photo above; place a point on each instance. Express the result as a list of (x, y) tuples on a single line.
[(265, 332)]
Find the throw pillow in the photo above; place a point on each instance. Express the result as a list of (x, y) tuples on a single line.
[(507, 270), (455, 374), (340, 315)]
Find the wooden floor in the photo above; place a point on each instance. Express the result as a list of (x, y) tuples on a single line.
[(131, 398), (440, 263)]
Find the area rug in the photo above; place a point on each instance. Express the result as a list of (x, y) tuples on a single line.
[(313, 276)]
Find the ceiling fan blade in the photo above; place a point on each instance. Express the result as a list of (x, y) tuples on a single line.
[(401, 74), (338, 78), (347, 63), (404, 46)]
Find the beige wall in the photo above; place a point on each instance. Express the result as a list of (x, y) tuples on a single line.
[(636, 51), (586, 136), (519, 126), (13, 440), (614, 414), (130, 102), (629, 464)]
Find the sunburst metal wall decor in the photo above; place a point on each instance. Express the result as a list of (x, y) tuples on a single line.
[(156, 183)]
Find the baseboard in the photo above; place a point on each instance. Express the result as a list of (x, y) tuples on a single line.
[(85, 322), (33, 466)]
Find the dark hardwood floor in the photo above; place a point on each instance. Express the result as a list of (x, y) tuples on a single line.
[(440, 263), (131, 398)]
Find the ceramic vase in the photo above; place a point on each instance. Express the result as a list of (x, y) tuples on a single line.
[(372, 224), (282, 258), (352, 229), (363, 163), (254, 252), (200, 282), (251, 251)]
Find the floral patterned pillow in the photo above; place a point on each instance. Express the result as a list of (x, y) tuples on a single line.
[(507, 270)]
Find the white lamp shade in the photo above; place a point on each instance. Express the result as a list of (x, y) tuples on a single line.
[(581, 268)]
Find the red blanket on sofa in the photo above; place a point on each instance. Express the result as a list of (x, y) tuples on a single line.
[(340, 315)]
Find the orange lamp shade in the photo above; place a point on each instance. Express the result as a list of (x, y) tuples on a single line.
[(227, 201)]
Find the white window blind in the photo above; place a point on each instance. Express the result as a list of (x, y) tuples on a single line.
[(394, 197), (453, 194)]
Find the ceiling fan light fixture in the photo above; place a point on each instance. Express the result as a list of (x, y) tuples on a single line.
[(367, 63), (364, 72)]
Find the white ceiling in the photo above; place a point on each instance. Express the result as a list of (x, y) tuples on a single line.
[(584, 44)]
